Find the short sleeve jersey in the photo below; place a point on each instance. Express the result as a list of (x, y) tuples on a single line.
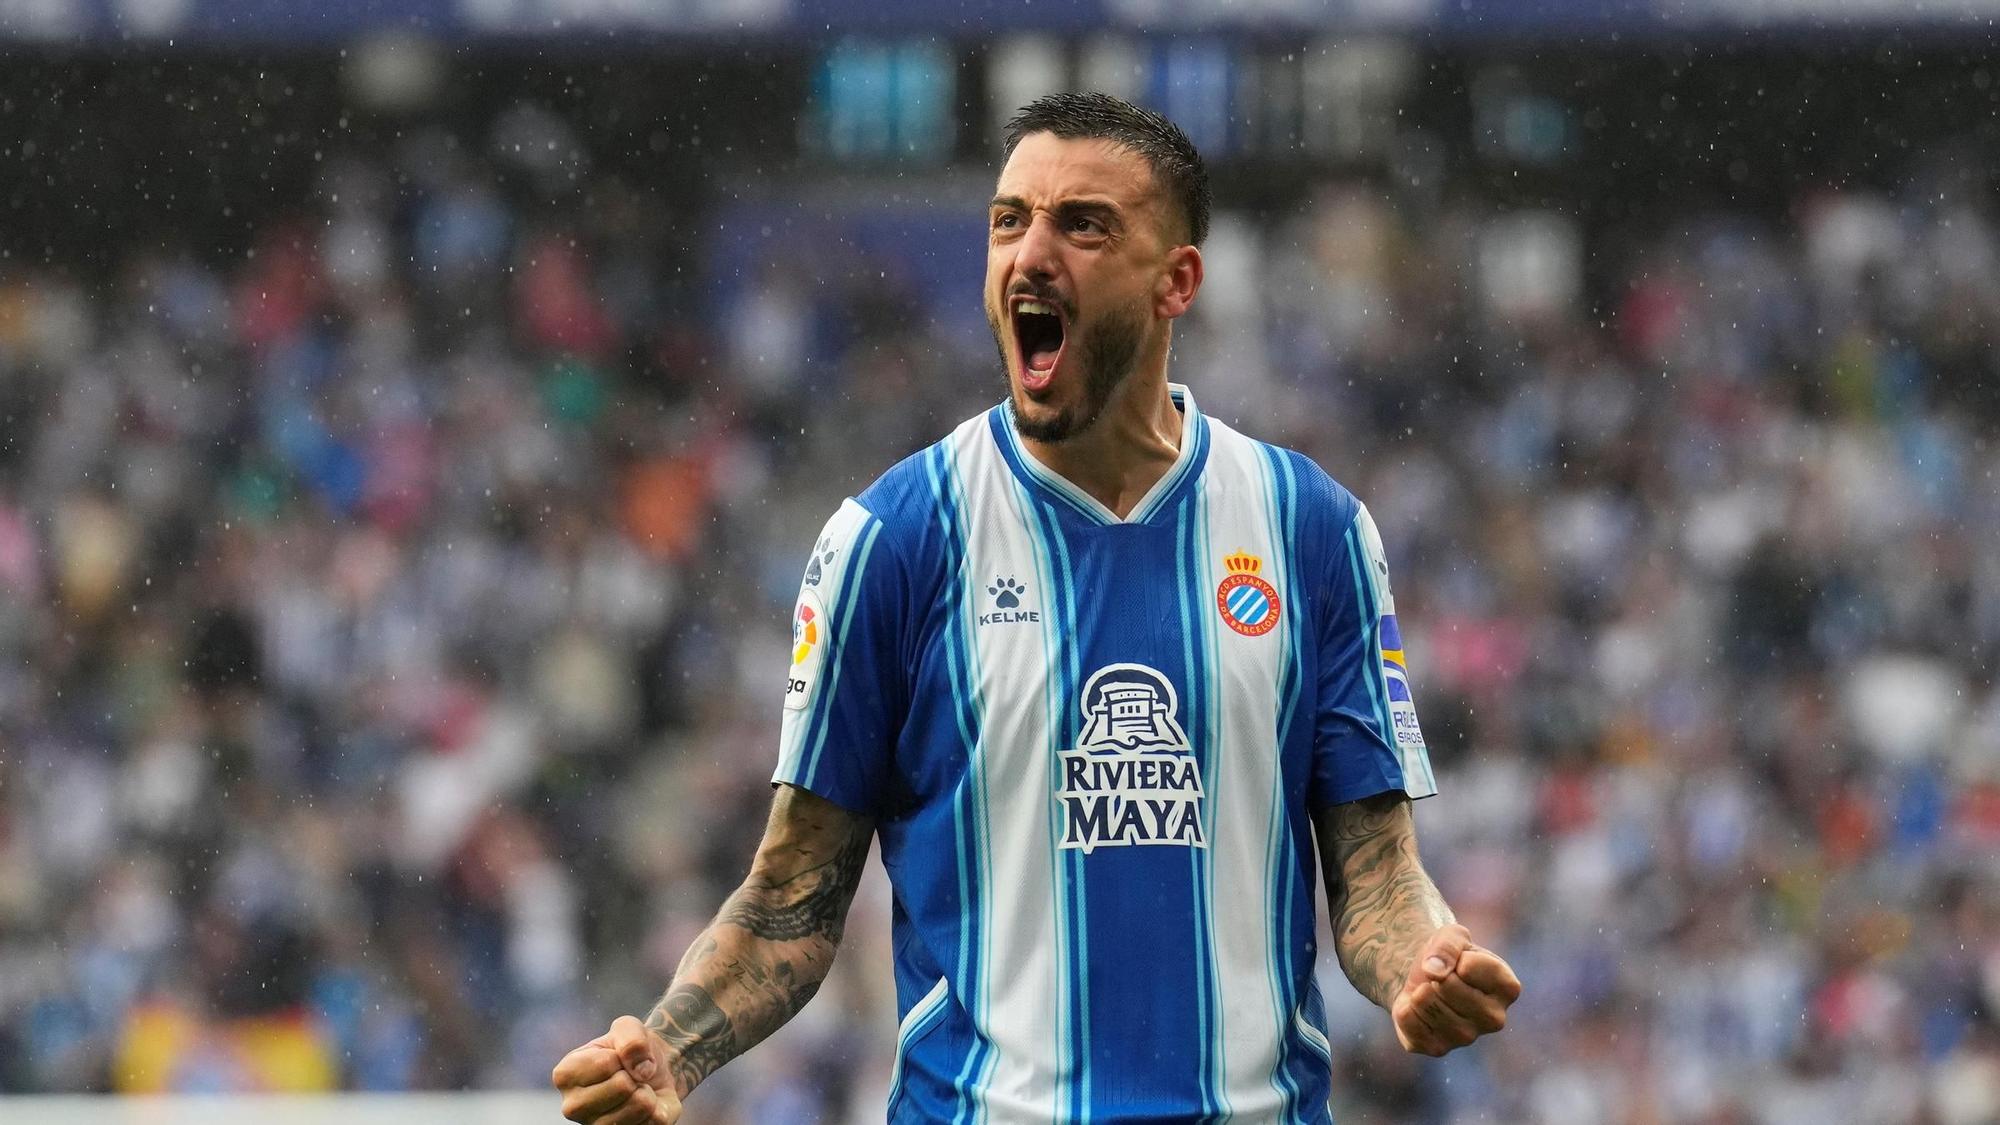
[(1091, 746)]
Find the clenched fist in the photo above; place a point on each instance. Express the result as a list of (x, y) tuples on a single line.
[(1455, 993), (619, 1078)]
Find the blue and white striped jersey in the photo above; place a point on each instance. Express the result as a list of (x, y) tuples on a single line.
[(1091, 746)]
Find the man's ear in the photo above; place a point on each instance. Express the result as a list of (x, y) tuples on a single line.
[(1179, 283)]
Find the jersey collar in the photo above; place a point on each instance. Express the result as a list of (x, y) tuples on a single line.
[(1037, 476)]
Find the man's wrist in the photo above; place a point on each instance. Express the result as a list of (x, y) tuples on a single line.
[(694, 1035)]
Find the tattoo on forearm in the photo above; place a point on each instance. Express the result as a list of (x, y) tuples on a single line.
[(1384, 906), (699, 1032), (769, 948), (820, 911)]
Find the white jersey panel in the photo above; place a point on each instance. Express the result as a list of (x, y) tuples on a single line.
[(1026, 1008), (1244, 562)]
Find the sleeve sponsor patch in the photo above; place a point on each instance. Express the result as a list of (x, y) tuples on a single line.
[(810, 628), (1396, 673), (1395, 666)]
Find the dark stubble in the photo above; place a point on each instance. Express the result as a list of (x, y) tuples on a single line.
[(1105, 350)]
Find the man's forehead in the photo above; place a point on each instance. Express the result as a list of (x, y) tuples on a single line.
[(1047, 169)]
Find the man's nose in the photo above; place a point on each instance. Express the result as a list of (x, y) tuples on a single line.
[(1038, 255)]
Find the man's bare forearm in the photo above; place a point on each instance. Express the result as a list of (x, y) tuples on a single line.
[(1384, 906), (772, 943)]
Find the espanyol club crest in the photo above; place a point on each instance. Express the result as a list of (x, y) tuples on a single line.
[(1248, 603)]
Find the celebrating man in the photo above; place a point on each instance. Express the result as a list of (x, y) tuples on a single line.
[(1098, 670)]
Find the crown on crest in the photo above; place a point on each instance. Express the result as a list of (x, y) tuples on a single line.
[(1243, 562)]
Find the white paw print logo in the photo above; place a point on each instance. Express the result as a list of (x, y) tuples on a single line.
[(822, 557)]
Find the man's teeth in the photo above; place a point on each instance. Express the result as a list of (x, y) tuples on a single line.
[(1035, 307)]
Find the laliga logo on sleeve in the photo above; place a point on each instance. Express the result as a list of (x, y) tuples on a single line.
[(1248, 603), (808, 647)]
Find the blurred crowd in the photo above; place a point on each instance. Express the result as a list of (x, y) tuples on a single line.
[(393, 620)]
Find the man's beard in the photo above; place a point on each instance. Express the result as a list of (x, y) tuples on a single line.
[(1105, 353)]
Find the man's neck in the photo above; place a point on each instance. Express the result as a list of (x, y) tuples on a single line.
[(1132, 445)]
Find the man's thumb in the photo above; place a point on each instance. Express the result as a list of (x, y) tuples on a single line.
[(1440, 954), (634, 1045)]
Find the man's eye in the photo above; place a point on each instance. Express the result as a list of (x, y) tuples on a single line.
[(1006, 221), (1083, 224)]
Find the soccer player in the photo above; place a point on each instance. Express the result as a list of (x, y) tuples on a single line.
[(1097, 670)]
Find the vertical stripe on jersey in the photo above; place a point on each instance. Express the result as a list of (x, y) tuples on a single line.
[(1214, 693), (1248, 674), (1055, 702), (803, 730), (1415, 767), (1187, 576), (1065, 671), (1284, 875), (1417, 776), (835, 656), (1370, 624), (1027, 1077), (969, 816), (920, 1018), (1072, 680)]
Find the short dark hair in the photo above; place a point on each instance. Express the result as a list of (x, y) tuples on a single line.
[(1167, 150)]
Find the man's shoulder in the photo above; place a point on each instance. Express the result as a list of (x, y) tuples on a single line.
[(908, 497), (1315, 495)]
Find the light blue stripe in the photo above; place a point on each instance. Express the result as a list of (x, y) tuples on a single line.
[(1381, 667), (1314, 1002), (1304, 701), (1078, 882), (962, 690), (836, 647), (1278, 927), (1052, 702), (1371, 644), (1381, 670), (962, 833), (1203, 962), (1211, 784), (924, 1016), (978, 1069)]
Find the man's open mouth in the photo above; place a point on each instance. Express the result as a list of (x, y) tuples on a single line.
[(1039, 329)]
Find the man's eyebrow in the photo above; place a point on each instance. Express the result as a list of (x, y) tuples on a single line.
[(1067, 206), (1100, 207)]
